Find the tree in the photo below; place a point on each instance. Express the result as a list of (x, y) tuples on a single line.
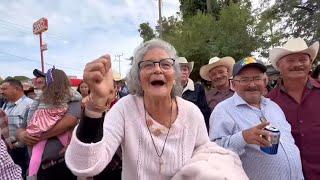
[(201, 36), (193, 41), (170, 27), (233, 34), (190, 8), (19, 78), (146, 32), (267, 33), (287, 19)]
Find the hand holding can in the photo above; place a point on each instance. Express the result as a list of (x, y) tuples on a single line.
[(273, 138)]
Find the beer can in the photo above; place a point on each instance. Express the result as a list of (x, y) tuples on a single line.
[(274, 139)]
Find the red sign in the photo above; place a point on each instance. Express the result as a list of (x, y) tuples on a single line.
[(40, 26)]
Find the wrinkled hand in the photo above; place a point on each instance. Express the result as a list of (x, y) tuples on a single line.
[(254, 135), (26, 138), (98, 75)]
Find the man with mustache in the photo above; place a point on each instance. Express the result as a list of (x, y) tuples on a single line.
[(218, 71), (238, 123), (299, 97)]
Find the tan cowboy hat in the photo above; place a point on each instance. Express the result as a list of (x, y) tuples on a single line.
[(227, 61), (296, 45), (183, 60), (116, 76)]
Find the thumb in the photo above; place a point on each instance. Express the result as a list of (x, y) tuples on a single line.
[(263, 124)]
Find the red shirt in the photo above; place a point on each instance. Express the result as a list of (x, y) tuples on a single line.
[(305, 124)]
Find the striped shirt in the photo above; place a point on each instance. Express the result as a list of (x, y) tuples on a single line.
[(17, 113), (234, 115)]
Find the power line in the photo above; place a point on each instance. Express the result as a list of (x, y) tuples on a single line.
[(24, 29), (33, 60)]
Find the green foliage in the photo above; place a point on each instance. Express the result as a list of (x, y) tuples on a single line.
[(20, 78), (190, 8), (193, 41), (170, 27), (267, 34), (233, 33), (230, 28), (146, 32), (227, 31), (287, 19)]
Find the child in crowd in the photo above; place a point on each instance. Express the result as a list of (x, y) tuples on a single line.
[(51, 106)]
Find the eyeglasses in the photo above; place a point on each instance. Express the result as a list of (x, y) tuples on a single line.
[(247, 80), (165, 64)]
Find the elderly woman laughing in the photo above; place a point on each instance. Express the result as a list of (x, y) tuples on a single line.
[(157, 130)]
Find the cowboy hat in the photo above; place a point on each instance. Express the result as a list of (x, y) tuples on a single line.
[(183, 60), (296, 45), (227, 61)]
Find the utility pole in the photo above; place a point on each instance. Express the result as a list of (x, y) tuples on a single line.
[(38, 28), (160, 18), (117, 58)]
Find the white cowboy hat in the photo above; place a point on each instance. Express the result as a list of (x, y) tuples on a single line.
[(116, 76), (183, 60), (227, 61), (296, 45)]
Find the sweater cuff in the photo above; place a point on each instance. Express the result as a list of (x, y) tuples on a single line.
[(90, 130), (85, 159)]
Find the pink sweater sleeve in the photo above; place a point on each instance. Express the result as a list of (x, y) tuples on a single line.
[(90, 159)]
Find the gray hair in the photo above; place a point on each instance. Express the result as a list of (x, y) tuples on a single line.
[(133, 78)]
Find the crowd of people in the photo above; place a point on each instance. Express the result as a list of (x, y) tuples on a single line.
[(157, 123)]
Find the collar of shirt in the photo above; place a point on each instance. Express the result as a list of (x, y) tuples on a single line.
[(311, 83), (13, 104), (239, 101), (189, 86)]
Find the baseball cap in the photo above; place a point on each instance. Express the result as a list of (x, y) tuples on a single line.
[(248, 62), (37, 73)]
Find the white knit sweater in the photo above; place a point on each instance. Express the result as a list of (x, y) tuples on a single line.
[(125, 125)]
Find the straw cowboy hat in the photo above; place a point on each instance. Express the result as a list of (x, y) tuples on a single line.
[(227, 61), (296, 45), (116, 76), (183, 60)]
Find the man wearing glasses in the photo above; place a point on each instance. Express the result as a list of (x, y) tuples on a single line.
[(16, 109), (239, 123)]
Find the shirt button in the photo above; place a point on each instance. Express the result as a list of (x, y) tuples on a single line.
[(301, 121), (302, 134)]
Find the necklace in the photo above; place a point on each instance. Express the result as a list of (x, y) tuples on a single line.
[(159, 154)]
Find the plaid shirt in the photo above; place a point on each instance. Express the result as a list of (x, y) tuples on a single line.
[(214, 96), (9, 170), (17, 113), (4, 130)]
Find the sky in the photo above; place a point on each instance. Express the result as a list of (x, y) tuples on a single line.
[(79, 31)]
